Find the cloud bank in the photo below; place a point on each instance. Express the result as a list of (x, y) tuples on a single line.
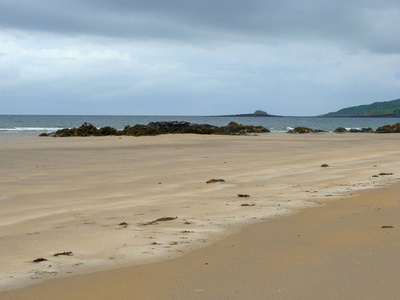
[(196, 57)]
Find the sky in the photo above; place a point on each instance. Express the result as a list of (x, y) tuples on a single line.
[(197, 57)]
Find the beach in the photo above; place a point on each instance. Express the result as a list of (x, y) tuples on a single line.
[(276, 219)]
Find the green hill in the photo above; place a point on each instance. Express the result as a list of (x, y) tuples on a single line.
[(260, 113), (387, 109)]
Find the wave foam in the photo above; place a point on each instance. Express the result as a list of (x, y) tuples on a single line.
[(30, 129)]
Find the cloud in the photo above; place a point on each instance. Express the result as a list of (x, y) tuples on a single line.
[(197, 57), (366, 24)]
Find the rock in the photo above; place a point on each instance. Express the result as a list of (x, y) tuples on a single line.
[(387, 226), (302, 130), (363, 130), (170, 124), (367, 130), (107, 130), (156, 128), (384, 129), (389, 129), (337, 130), (246, 204), (385, 174), (340, 130), (86, 129)]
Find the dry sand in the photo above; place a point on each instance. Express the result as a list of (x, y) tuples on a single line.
[(71, 194)]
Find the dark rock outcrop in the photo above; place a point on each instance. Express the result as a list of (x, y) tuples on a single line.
[(107, 130), (157, 128), (235, 128), (86, 129), (340, 130), (354, 130), (367, 130), (362, 130), (302, 130), (165, 127), (389, 129)]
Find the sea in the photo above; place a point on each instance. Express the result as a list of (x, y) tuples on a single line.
[(33, 125)]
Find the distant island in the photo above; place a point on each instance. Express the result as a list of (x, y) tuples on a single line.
[(257, 113), (386, 109)]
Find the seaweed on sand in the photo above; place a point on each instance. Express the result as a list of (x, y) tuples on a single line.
[(38, 260), (68, 253), (159, 220), (215, 180)]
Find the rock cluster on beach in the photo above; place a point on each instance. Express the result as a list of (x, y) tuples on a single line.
[(383, 129), (157, 128), (304, 130), (174, 127), (389, 129), (353, 130)]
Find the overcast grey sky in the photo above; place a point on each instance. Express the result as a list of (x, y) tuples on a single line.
[(197, 57)]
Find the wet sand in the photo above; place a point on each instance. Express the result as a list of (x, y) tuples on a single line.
[(72, 194), (339, 251)]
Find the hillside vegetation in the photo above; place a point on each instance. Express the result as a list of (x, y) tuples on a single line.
[(260, 113), (387, 108)]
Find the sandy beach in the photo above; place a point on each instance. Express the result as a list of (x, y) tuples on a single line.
[(99, 198)]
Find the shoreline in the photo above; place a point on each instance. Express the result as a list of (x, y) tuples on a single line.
[(182, 164)]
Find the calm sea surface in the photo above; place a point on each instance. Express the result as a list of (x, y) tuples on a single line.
[(30, 125)]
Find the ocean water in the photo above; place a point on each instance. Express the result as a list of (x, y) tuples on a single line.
[(31, 125)]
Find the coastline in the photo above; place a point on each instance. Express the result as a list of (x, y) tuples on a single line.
[(137, 180)]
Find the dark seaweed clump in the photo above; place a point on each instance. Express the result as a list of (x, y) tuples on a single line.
[(157, 128)]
